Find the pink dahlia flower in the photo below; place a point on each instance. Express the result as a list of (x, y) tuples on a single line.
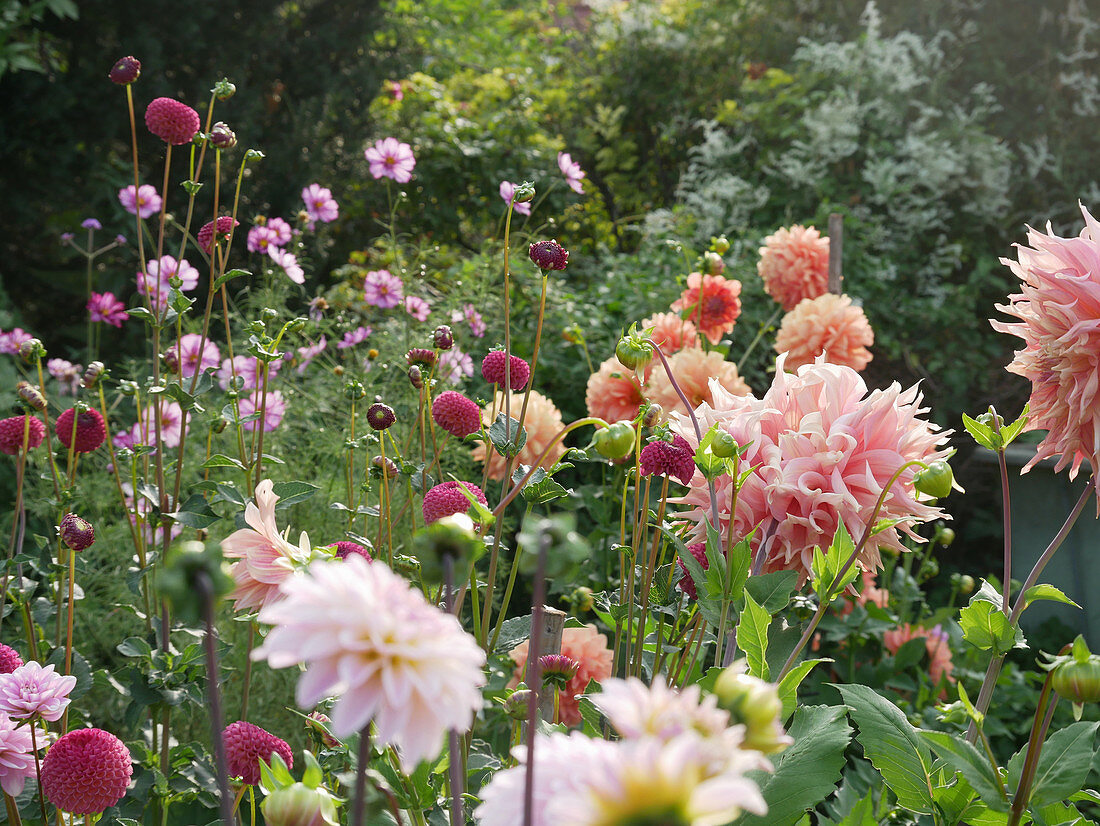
[(935, 643), (35, 690), (507, 192), (456, 413), (675, 459), (829, 324), (699, 551), (173, 122), (146, 204), (264, 557), (382, 289), (671, 332), (492, 370), (392, 658), (613, 392), (16, 756), (822, 449), (246, 745), (572, 172), (637, 710), (191, 359), (694, 370), (320, 205), (794, 264), (543, 423), (711, 301), (274, 409), (221, 227), (445, 499), (1058, 312), (9, 659), (106, 308), (86, 771), (83, 432), (389, 158), (588, 647), (12, 430)]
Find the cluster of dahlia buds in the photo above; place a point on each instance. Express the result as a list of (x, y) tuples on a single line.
[(755, 704)]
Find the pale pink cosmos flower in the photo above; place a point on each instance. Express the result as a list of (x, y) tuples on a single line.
[(417, 307), (829, 324), (16, 756), (507, 192), (68, 375), (353, 337), (307, 354), (264, 557), (794, 264), (382, 289), (368, 638), (320, 205), (260, 238), (158, 272), (249, 369), (11, 340), (288, 262), (274, 409), (145, 205), (389, 158), (106, 308), (821, 448), (1058, 318), (454, 366), (171, 425), (191, 360), (35, 690), (283, 231), (572, 172)]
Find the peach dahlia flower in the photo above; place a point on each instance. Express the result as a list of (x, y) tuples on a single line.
[(716, 312), (613, 393), (794, 264), (694, 371), (671, 332), (829, 324), (542, 423), (935, 643), (1058, 309)]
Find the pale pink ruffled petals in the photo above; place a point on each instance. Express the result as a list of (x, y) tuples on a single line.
[(829, 325), (694, 370), (794, 264)]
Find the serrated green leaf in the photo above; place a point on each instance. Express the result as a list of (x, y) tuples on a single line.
[(1046, 592), (772, 591), (1063, 764), (507, 436), (221, 460), (964, 757), (752, 637), (826, 579), (984, 435), (986, 627), (229, 276), (892, 745), (195, 513), (291, 493)]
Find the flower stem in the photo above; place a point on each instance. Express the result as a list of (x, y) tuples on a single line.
[(213, 692), (453, 753), (360, 806), (759, 335), (38, 773), (534, 678), (1044, 710)]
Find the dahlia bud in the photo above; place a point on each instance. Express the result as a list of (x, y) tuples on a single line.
[(523, 193), (31, 349), (92, 374), (557, 670), (179, 575), (299, 805), (386, 466), (548, 255), (754, 703), (652, 415), (634, 351), (944, 536), (517, 704), (713, 263), (125, 71), (380, 416), (222, 136), (416, 378), (1076, 676), (171, 361), (615, 441), (354, 390), (31, 396), (320, 723), (934, 480), (76, 533), (421, 355), (443, 338), (724, 446), (720, 245), (451, 537), (582, 599), (223, 89)]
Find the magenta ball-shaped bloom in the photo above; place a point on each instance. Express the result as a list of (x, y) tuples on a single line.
[(90, 430), (548, 255), (9, 659), (77, 533), (456, 414), (344, 549), (86, 771), (687, 584), (492, 370), (674, 458), (172, 121), (446, 499), (205, 236), (11, 433), (247, 744)]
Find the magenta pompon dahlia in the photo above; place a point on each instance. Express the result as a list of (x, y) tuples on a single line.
[(457, 414), (222, 227), (246, 745), (445, 499), (90, 430), (173, 122), (676, 458), (344, 548), (492, 370), (9, 659), (32, 689), (687, 584), (12, 430), (86, 771)]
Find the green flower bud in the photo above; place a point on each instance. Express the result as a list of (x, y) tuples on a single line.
[(517, 704), (299, 805), (615, 441), (754, 703), (633, 351), (523, 193), (178, 577), (723, 445), (935, 480), (223, 89)]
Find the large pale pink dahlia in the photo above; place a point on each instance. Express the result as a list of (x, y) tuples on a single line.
[(16, 756), (370, 639), (587, 646), (694, 370), (265, 558), (829, 324), (794, 264), (613, 392), (712, 302), (1058, 309), (542, 423), (822, 447)]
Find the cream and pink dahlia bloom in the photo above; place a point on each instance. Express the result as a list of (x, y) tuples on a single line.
[(542, 423), (585, 645), (33, 689), (368, 638), (712, 302), (1058, 312), (614, 393), (829, 325), (794, 264), (822, 448), (16, 756), (695, 370), (265, 558), (936, 644)]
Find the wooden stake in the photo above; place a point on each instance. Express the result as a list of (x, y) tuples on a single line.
[(836, 251)]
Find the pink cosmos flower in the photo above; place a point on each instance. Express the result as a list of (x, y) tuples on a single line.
[(273, 410), (396, 91), (695, 371), (829, 324), (289, 263), (145, 205), (794, 264), (1058, 312), (822, 449), (16, 756), (587, 646), (417, 307), (370, 639), (614, 393), (171, 425), (572, 172), (382, 289), (353, 337), (264, 556), (320, 205), (260, 238), (191, 360), (454, 366), (67, 374), (105, 307), (91, 223), (283, 231), (389, 158), (249, 368), (507, 192), (671, 332), (716, 312), (307, 354), (11, 340), (35, 690), (543, 423), (160, 271)]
